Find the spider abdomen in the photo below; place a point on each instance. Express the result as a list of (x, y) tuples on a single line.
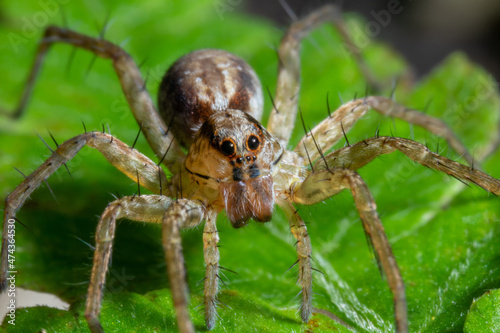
[(203, 82)]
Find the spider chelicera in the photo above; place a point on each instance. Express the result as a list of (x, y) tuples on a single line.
[(210, 102)]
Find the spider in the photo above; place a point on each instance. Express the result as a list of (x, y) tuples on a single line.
[(234, 163)]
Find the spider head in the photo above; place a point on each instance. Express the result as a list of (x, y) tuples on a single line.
[(234, 149)]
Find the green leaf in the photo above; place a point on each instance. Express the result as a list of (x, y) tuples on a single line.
[(484, 314), (443, 233)]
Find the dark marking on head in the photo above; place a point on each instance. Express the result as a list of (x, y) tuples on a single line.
[(207, 130), (253, 171), (237, 174)]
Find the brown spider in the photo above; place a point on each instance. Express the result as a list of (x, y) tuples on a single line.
[(210, 102)]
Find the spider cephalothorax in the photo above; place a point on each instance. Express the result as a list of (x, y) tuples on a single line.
[(239, 155)]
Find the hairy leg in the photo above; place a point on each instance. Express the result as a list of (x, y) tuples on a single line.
[(146, 208), (358, 155), (284, 112), (321, 185), (304, 249), (211, 253), (134, 88), (332, 129), (183, 213), (128, 160)]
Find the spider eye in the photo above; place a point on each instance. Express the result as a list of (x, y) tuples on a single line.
[(227, 147), (253, 142)]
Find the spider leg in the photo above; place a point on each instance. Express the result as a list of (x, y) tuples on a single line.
[(146, 208), (304, 250), (356, 156), (145, 113), (284, 112), (211, 253), (321, 185), (132, 163), (183, 213), (330, 130)]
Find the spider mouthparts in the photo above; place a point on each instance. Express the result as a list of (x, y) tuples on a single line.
[(250, 199), (240, 174)]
